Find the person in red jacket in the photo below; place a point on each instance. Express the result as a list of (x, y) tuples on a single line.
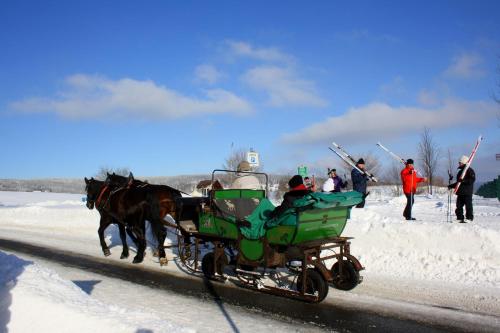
[(410, 181)]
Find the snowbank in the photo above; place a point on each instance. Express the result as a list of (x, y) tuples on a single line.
[(35, 299)]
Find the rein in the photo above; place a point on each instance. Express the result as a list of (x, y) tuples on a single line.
[(99, 198)]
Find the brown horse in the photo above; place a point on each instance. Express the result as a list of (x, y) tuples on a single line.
[(137, 202), (93, 188)]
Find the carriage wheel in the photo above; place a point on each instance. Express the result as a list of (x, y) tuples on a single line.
[(349, 277), (188, 253), (315, 284), (207, 265)]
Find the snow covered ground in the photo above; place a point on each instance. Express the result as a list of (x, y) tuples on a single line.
[(423, 262)]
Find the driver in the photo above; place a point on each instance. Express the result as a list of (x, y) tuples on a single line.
[(245, 180)]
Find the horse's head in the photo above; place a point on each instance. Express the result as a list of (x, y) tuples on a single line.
[(92, 187), (115, 181)]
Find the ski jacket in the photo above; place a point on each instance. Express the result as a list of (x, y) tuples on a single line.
[(410, 180), (288, 200), (328, 185), (246, 181), (467, 186), (338, 184), (358, 181)]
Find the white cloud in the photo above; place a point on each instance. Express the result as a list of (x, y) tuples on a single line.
[(207, 74), (428, 98), (465, 66), (377, 121), (244, 49), (90, 96), (283, 87)]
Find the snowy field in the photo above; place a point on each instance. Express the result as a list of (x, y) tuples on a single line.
[(423, 262)]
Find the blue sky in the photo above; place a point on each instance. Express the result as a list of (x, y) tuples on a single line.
[(168, 88)]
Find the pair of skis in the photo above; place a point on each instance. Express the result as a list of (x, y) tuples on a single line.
[(467, 165), (340, 152)]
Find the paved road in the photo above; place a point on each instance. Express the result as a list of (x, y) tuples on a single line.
[(329, 316)]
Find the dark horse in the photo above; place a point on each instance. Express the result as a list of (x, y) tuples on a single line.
[(136, 202), (93, 188)]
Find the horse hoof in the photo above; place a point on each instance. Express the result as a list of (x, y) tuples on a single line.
[(137, 260), (163, 261), (156, 253), (124, 256), (106, 252)]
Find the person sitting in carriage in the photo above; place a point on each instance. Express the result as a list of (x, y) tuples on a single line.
[(297, 191)]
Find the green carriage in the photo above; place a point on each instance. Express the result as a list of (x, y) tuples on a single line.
[(280, 255)]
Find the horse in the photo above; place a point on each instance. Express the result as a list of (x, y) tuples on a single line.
[(93, 188), (139, 201)]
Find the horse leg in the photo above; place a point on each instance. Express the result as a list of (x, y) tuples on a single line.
[(161, 234), (123, 237), (132, 236), (137, 224), (103, 224), (141, 247)]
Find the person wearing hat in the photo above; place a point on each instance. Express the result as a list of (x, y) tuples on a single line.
[(465, 191), (410, 181), (297, 191), (245, 180), (334, 183), (359, 181)]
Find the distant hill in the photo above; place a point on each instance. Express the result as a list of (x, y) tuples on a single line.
[(77, 185)]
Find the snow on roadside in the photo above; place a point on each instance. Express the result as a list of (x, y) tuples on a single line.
[(35, 299), (429, 248)]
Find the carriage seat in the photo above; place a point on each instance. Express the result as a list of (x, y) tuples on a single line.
[(236, 204)]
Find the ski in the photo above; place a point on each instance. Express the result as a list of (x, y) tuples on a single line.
[(396, 157), (467, 165), (351, 161)]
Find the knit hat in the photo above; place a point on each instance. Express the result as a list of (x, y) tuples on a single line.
[(409, 161), (295, 181), (244, 166), (464, 159), (361, 161)]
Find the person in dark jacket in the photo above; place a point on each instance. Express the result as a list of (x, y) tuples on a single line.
[(464, 193), (359, 181), (297, 191)]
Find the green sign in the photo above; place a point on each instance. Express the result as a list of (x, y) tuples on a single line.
[(302, 170)]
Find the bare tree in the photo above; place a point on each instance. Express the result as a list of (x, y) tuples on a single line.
[(104, 170), (429, 153), (235, 157)]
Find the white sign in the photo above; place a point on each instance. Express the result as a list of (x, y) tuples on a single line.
[(253, 158)]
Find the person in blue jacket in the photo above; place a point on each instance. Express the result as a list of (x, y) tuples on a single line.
[(359, 181)]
